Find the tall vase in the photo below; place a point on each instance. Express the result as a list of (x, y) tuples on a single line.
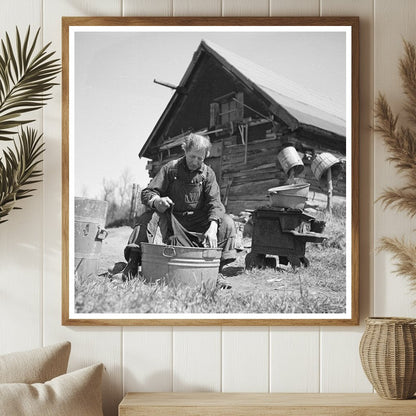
[(388, 356)]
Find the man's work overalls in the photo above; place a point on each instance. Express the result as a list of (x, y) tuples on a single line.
[(197, 202)]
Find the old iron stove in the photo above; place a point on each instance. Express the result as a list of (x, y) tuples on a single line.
[(283, 232)]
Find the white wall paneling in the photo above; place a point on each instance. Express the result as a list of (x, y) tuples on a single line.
[(196, 8), (245, 359), (294, 351), (207, 358), (393, 20), (147, 7), (341, 370), (245, 8), (29, 12), (196, 359), (147, 359), (82, 8), (295, 8)]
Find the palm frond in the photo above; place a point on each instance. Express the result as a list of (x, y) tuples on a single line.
[(19, 170), (25, 79)]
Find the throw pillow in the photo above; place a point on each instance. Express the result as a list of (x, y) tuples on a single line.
[(35, 366), (73, 394)]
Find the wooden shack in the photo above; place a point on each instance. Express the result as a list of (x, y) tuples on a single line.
[(250, 113)]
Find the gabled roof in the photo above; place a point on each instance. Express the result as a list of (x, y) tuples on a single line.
[(300, 104), (307, 106)]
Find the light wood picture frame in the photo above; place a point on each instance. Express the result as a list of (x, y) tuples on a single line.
[(293, 123)]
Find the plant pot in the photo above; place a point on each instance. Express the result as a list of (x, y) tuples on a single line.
[(388, 356)]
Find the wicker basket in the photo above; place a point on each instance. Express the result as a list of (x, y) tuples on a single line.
[(388, 356)]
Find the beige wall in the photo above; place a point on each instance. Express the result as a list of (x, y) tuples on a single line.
[(261, 359)]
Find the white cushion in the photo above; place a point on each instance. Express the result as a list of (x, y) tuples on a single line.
[(73, 394), (35, 366)]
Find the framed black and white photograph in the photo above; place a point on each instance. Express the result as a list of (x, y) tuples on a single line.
[(210, 171)]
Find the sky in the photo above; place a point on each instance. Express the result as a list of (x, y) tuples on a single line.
[(117, 104)]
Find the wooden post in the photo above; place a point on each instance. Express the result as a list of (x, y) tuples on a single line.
[(246, 143), (291, 179), (227, 191), (133, 203), (243, 128), (329, 184), (213, 115)]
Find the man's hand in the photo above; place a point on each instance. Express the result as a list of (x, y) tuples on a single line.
[(162, 204), (210, 236)]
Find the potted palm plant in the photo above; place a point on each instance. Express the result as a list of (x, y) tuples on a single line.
[(26, 78)]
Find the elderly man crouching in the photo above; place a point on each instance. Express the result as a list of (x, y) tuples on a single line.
[(188, 187)]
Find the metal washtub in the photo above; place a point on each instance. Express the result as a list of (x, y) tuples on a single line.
[(289, 196), (180, 266), (89, 234)]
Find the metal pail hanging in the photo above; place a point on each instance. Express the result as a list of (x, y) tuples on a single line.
[(89, 233), (323, 162), (289, 159)]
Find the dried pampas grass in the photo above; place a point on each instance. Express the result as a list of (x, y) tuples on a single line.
[(405, 254), (401, 143)]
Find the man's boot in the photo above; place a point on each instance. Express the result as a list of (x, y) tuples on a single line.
[(131, 270), (224, 262)]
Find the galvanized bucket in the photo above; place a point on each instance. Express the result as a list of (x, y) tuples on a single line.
[(180, 266), (323, 162), (89, 234), (289, 158)]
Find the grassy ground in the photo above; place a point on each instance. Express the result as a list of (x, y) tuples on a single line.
[(319, 288)]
